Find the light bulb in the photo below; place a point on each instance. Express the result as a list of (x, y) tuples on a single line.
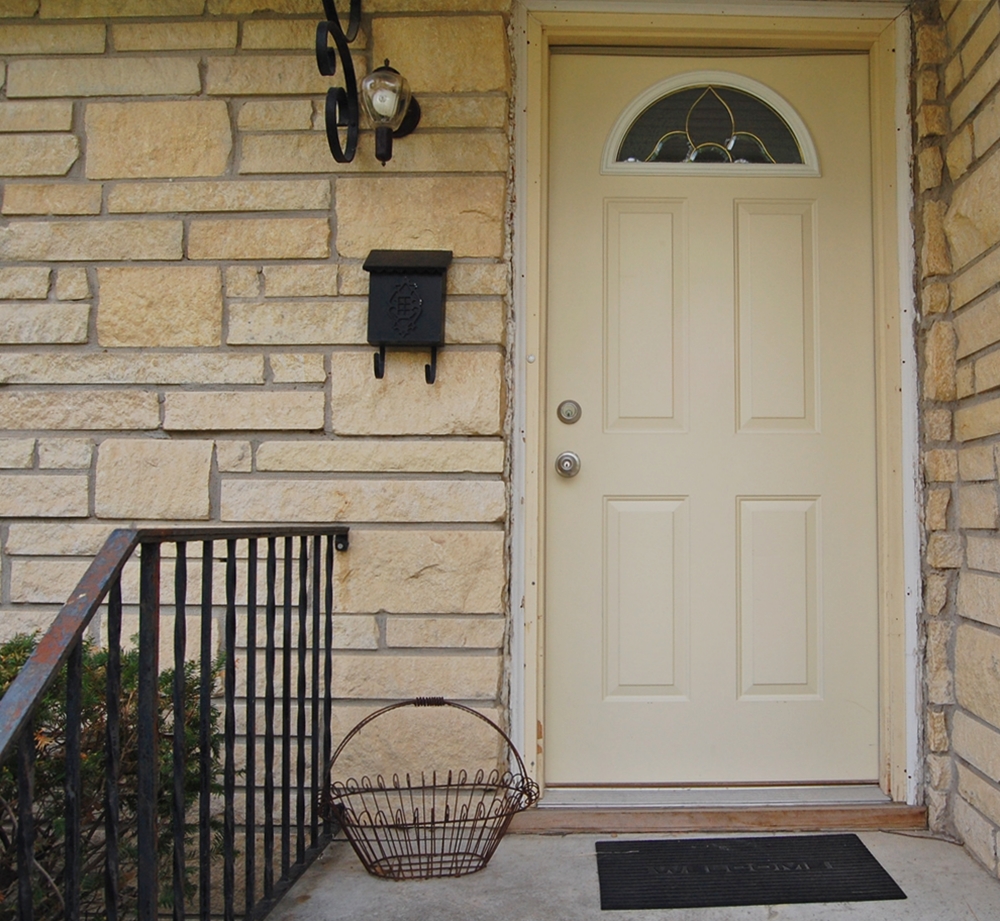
[(384, 101)]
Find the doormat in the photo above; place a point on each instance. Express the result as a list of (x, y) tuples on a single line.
[(716, 872)]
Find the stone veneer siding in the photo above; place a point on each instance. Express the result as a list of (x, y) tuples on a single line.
[(183, 312), (957, 105)]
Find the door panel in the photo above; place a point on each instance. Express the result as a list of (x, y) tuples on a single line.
[(710, 606)]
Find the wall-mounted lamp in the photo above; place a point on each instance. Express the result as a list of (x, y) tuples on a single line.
[(384, 92)]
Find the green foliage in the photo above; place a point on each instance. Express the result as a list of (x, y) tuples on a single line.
[(50, 774)]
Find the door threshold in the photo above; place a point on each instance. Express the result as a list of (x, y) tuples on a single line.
[(720, 819), (840, 794)]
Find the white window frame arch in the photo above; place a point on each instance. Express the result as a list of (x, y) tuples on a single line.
[(611, 166)]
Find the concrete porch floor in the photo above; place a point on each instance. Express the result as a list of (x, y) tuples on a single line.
[(554, 878)]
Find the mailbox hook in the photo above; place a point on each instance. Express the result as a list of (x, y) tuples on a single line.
[(430, 371), (380, 362)]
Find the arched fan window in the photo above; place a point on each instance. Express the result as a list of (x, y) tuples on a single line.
[(710, 122)]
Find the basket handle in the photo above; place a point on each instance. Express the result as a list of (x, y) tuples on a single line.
[(428, 702)]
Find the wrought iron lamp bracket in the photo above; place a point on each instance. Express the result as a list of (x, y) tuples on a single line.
[(342, 110)]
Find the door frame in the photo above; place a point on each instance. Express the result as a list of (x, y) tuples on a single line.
[(884, 37)]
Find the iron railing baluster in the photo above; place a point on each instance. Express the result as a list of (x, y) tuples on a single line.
[(177, 813), (229, 735), (327, 687), (26, 823), (250, 766), (269, 721), (148, 765), (205, 739), (286, 717), (74, 786), (112, 752), (314, 743), (300, 759)]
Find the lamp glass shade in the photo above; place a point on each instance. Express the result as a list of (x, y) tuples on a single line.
[(385, 95)]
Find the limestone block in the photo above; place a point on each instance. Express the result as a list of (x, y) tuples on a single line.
[(22, 282), (935, 593), (940, 772), (18, 622), (164, 139), (944, 550), (431, 572), (99, 9), (987, 371), (287, 368), (174, 36), (932, 121), (242, 281), (936, 514), (937, 731), (56, 538), (965, 384), (65, 453), (130, 368), (983, 553), (953, 75), (298, 323), (977, 421), (303, 500), (445, 632), (463, 111), (977, 677), (18, 8), (23, 324), (226, 195), (977, 744), (981, 39), (120, 410), (52, 39), (477, 59), (475, 322), (929, 165), (938, 675), (274, 410), (977, 506), (977, 463), (264, 34), (977, 88), (265, 75), (355, 632), (978, 595), (959, 154), (16, 453), (153, 478), (971, 282), (972, 224), (978, 326), (466, 400), (234, 456), (423, 152), (927, 86), (962, 19), (381, 677), (159, 306), (223, 7), (939, 362), (300, 280), (25, 496), (52, 198), (465, 215), (72, 284), (979, 793), (934, 257), (36, 116), (259, 238), (37, 154), (44, 581), (932, 45), (277, 114), (126, 76), (352, 455), (976, 832), (940, 466), (937, 424), (935, 298), (986, 127), (411, 740), (84, 241)]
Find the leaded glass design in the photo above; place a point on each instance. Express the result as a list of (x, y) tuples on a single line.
[(709, 124)]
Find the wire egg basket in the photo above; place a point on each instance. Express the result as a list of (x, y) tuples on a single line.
[(447, 825)]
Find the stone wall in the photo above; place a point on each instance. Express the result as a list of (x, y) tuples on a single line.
[(183, 311), (957, 101)]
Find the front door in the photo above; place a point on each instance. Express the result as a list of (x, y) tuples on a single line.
[(711, 579)]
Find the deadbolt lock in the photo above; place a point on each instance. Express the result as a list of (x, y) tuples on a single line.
[(569, 411), (568, 464)]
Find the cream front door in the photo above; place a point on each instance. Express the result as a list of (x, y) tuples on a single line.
[(711, 572)]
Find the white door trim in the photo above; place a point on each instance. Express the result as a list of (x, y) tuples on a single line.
[(899, 489)]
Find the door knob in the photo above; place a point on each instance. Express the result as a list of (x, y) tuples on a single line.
[(568, 464)]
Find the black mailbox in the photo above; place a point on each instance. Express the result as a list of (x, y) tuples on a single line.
[(406, 302)]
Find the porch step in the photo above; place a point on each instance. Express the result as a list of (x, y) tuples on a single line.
[(677, 819)]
